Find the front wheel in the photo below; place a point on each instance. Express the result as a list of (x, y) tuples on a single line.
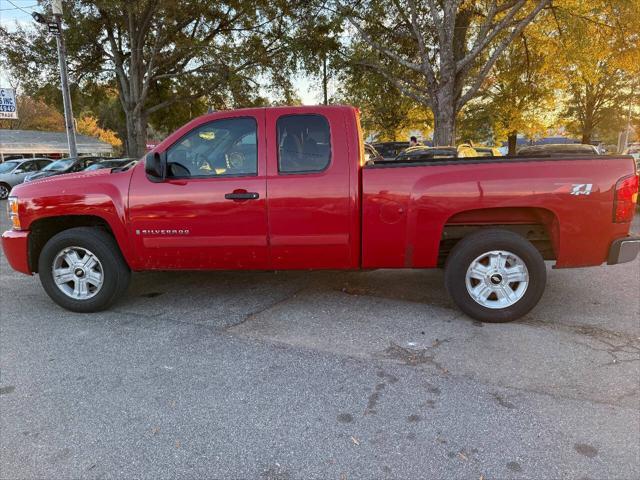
[(495, 275), (82, 269)]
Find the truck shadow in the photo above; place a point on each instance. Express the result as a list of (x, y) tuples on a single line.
[(420, 286)]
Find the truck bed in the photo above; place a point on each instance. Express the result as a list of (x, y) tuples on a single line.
[(412, 210)]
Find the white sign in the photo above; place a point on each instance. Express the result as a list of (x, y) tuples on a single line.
[(8, 103), (56, 7)]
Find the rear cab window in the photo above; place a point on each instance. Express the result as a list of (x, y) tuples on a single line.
[(304, 144)]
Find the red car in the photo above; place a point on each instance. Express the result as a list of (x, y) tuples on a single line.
[(288, 188)]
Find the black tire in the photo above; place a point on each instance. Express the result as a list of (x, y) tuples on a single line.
[(486, 240), (116, 273), (5, 189)]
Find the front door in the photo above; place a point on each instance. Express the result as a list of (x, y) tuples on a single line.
[(210, 212)]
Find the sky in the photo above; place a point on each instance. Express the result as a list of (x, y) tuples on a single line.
[(10, 14)]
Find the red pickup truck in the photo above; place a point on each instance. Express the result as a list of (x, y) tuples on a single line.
[(291, 188)]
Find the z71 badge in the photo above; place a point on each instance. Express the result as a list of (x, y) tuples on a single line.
[(581, 188)]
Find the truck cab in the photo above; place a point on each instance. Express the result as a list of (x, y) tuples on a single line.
[(254, 189)]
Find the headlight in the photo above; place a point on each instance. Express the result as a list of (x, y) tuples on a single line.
[(14, 216)]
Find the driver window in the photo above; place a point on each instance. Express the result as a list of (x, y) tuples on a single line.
[(220, 148)]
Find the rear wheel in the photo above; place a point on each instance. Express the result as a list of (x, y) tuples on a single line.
[(82, 269), (495, 275)]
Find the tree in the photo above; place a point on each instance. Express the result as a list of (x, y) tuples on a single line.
[(444, 49), (315, 46), (519, 95), (591, 102), (88, 125), (598, 48), (384, 110), (160, 53), (34, 114)]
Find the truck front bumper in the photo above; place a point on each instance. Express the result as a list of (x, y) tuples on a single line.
[(15, 244), (623, 250)]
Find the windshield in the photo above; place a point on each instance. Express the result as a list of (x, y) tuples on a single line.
[(107, 164), (59, 165), (7, 166), (96, 166)]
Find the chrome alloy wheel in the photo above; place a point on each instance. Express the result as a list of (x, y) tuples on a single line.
[(497, 279), (77, 273), (4, 192)]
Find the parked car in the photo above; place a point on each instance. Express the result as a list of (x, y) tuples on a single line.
[(634, 151), (64, 165), (285, 189), (425, 154), (421, 153), (390, 150), (551, 149), (13, 172), (109, 163), (483, 151), (466, 150), (371, 155)]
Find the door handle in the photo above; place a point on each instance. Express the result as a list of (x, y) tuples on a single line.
[(242, 196)]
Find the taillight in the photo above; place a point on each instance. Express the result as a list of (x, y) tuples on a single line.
[(626, 198)]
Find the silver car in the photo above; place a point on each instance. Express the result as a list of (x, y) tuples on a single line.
[(12, 172)]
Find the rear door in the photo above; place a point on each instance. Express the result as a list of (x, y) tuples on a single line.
[(210, 213), (309, 207)]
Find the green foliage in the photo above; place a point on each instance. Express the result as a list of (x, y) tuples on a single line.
[(519, 95), (167, 60)]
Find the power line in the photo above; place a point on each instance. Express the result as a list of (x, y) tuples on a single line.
[(19, 8)]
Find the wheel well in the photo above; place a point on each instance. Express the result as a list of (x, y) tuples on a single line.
[(539, 226), (42, 230)]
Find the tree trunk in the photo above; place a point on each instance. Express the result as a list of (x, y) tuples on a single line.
[(136, 134), (512, 142), (444, 128), (586, 137), (444, 116)]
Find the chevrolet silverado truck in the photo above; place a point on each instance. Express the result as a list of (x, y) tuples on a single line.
[(289, 188)]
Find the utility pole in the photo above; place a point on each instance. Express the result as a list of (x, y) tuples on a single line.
[(55, 28), (628, 129), (325, 80), (56, 5)]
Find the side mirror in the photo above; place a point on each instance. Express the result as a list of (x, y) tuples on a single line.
[(18, 170), (155, 166)]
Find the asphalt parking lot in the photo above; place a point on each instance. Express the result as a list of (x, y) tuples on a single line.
[(280, 375)]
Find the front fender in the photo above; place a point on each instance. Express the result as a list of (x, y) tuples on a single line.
[(102, 195)]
